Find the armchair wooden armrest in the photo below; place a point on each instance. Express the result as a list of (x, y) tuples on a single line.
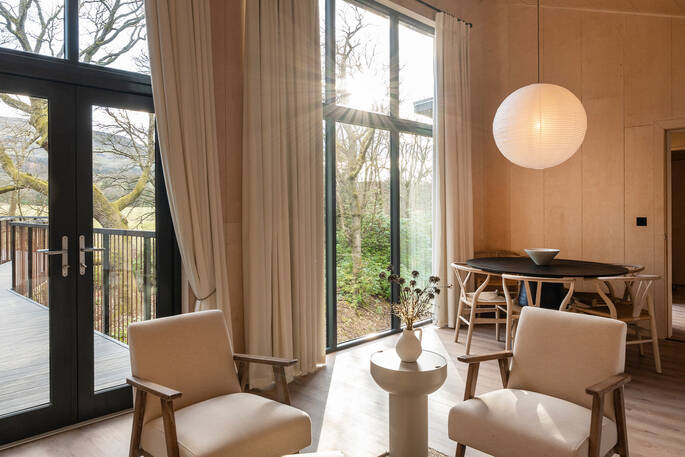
[(474, 361), (609, 384), (265, 360), (153, 388), (477, 358), (278, 364), (613, 384), (166, 397)]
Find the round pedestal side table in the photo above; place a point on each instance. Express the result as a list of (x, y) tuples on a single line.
[(408, 386)]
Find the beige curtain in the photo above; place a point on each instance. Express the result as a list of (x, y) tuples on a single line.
[(452, 192), (179, 37), (283, 197)]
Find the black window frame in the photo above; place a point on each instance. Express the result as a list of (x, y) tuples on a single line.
[(69, 69), (333, 113)]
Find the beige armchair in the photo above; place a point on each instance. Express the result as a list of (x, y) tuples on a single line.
[(562, 392), (189, 400)]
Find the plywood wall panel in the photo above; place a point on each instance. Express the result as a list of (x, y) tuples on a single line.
[(640, 174), (678, 66), (602, 61), (603, 190), (491, 87), (522, 50), (561, 51), (647, 59)]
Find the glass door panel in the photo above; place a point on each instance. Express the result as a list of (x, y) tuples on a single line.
[(123, 160), (36, 290), (24, 278), (362, 230)]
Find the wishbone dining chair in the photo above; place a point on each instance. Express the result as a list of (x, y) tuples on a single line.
[(513, 309)]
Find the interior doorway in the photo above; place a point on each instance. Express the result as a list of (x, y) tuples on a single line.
[(676, 145)]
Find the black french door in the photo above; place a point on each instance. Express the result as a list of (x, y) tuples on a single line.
[(91, 249), (38, 340)]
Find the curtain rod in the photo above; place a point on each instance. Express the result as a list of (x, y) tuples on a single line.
[(438, 10)]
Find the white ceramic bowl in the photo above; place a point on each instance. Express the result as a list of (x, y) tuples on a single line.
[(542, 256)]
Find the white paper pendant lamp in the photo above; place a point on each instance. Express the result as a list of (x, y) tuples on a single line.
[(540, 126)]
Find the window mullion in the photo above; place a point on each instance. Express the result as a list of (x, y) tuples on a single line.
[(71, 45), (394, 160), (395, 216), (331, 257)]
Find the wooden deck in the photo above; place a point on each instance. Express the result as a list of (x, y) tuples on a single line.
[(24, 360)]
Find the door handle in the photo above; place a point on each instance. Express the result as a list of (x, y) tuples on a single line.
[(82, 249), (64, 252)]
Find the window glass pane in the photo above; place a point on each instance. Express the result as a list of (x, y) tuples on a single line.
[(416, 190), (125, 271), (112, 33), (362, 58), (362, 230), (36, 26), (24, 274), (416, 74)]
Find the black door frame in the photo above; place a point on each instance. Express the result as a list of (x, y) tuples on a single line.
[(63, 81), (61, 410)]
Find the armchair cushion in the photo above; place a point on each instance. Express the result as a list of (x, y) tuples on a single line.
[(239, 424), (519, 423)]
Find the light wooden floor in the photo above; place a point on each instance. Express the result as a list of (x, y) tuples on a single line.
[(24, 352), (349, 412)]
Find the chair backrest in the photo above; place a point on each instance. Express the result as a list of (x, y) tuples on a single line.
[(189, 352), (637, 290), (538, 281), (465, 276), (561, 354)]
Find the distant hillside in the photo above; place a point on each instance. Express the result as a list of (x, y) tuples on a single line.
[(14, 132)]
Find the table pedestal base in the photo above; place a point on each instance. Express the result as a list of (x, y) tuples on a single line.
[(408, 421)]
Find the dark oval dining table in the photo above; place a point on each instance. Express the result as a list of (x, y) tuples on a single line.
[(552, 294)]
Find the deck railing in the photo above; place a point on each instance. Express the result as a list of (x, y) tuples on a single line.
[(124, 272)]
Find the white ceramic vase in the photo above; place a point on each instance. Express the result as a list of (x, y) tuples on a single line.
[(409, 346)]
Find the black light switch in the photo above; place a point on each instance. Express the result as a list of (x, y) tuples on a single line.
[(641, 222)]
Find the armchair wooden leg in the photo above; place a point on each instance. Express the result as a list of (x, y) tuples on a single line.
[(137, 429), (596, 425), (461, 450), (621, 425), (281, 385), (169, 428)]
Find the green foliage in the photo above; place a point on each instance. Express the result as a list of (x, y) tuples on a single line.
[(363, 288)]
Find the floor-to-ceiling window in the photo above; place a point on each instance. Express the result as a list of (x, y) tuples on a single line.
[(377, 66), (86, 240)]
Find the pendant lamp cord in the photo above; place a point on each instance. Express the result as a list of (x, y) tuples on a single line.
[(538, 42)]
